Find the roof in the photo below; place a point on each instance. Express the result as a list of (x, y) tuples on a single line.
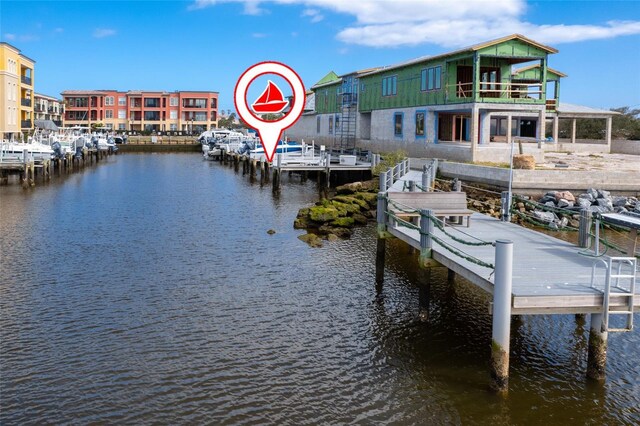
[(82, 92), (330, 78), (530, 67), (472, 48), (310, 104), (52, 98), (566, 108)]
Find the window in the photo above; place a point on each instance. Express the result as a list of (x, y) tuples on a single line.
[(214, 116), (397, 123), (152, 102), (173, 102), (337, 123), (318, 124), (108, 101), (151, 116), (330, 125), (419, 123), (122, 126), (173, 127), (214, 103), (173, 114), (389, 86), (431, 78), (122, 113), (122, 101), (108, 113)]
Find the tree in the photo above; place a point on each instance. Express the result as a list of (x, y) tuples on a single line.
[(627, 124)]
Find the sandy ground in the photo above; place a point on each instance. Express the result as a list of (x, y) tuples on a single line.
[(586, 161)]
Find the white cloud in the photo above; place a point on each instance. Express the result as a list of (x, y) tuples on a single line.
[(10, 36), (21, 37), (103, 32), (259, 35), (314, 14), (390, 23), (58, 30)]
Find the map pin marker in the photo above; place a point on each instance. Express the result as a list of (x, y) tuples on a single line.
[(270, 101)]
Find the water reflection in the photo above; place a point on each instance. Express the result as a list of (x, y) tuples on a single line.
[(147, 290)]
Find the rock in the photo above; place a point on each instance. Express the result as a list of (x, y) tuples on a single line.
[(584, 202), (520, 206), (300, 223), (271, 231), (593, 192), (371, 199), (547, 198), (551, 194), (349, 188), (312, 239), (587, 196), (563, 204), (346, 199), (605, 204), (596, 209), (303, 212), (548, 217), (619, 201), (565, 195), (348, 208), (550, 204), (360, 219), (477, 204), (524, 161), (323, 214), (332, 238), (340, 232), (343, 222), (637, 207), (603, 194), (574, 223), (620, 209)]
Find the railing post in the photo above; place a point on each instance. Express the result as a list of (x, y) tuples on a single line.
[(425, 178), (584, 239), (501, 324), (390, 171), (412, 186), (426, 231), (505, 206), (383, 181), (457, 187)]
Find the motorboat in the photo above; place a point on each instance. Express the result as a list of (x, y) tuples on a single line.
[(14, 151)]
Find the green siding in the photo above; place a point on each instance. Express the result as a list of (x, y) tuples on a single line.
[(326, 98), (513, 48)]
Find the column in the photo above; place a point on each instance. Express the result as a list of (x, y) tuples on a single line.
[(509, 129), (573, 130), (542, 124), (501, 322), (597, 357), (473, 134), (609, 120), (555, 128)]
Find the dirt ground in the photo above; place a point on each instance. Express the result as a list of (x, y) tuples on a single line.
[(586, 161)]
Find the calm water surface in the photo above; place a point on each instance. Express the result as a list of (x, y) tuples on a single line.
[(146, 290)]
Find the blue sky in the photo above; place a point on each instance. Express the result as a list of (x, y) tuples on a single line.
[(207, 44)]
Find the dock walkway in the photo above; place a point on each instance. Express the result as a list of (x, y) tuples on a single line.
[(525, 271)]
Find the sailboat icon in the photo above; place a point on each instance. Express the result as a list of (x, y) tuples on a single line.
[(270, 101)]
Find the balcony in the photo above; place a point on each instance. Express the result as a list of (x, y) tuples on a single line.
[(511, 92), (26, 80), (25, 102), (25, 124)]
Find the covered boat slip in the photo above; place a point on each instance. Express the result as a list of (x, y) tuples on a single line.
[(550, 276)]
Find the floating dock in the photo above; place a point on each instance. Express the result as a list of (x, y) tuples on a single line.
[(527, 272)]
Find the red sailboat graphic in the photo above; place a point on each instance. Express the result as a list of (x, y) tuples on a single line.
[(270, 101)]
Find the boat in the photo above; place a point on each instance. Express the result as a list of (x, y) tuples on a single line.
[(14, 151), (270, 101), (287, 148)]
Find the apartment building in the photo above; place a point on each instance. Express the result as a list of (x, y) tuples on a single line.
[(48, 108), (17, 82), (135, 110)]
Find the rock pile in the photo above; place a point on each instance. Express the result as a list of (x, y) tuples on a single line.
[(354, 204), (594, 200)]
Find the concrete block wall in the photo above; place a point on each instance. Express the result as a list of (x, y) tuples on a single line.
[(625, 147)]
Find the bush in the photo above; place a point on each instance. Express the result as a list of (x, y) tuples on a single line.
[(389, 160)]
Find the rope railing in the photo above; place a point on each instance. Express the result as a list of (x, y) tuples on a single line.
[(544, 206)]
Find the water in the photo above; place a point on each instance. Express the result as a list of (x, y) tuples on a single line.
[(147, 290)]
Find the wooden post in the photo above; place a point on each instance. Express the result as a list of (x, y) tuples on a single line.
[(597, 356), (458, 185), (501, 324), (412, 186), (424, 296), (584, 239), (426, 231), (381, 213), (383, 181)]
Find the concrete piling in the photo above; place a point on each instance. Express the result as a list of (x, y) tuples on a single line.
[(597, 355), (501, 323)]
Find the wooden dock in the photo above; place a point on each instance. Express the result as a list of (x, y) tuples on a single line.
[(29, 171), (325, 165), (527, 272)]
